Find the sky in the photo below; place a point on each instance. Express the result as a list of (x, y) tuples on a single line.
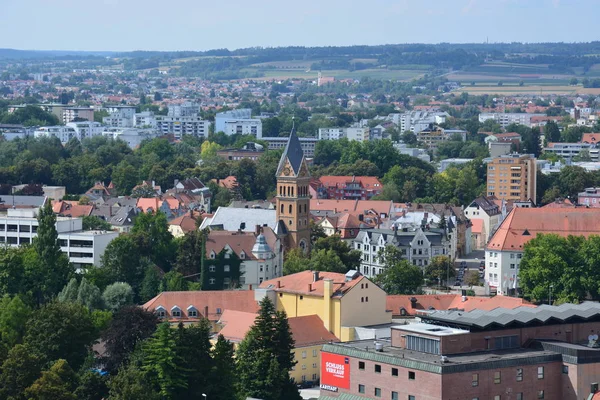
[(125, 25)]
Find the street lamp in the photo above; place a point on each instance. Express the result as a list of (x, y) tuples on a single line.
[(550, 295), (203, 395)]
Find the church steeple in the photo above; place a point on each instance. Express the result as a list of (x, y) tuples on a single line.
[(293, 200)]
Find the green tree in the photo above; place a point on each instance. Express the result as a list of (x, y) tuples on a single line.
[(440, 268), (193, 345), (124, 261), (129, 326), (58, 383), (264, 357), (69, 292), (61, 330), (163, 363), (295, 261), (89, 295), (349, 257), (117, 295), (152, 236), (190, 252), (150, 284), (131, 383), (14, 313), (398, 276), (326, 260), (92, 386), (52, 268), (223, 375), (552, 132), (21, 368), (173, 281), (92, 222)]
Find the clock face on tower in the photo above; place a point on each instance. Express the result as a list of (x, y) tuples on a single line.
[(287, 171)]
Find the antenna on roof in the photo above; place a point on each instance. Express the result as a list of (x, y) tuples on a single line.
[(293, 122)]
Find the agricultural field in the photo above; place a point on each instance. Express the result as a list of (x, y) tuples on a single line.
[(527, 89), (375, 73)]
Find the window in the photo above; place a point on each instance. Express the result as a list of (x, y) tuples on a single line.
[(540, 394), (519, 374), (519, 396), (394, 371), (395, 396), (303, 378), (423, 345), (411, 375), (475, 380), (314, 365), (193, 313), (361, 365), (314, 377), (361, 388), (303, 366), (411, 397), (315, 352), (211, 281), (226, 268), (497, 377), (378, 368), (304, 354), (540, 372), (212, 268), (497, 397), (366, 299), (565, 369), (176, 313), (377, 392), (506, 342)]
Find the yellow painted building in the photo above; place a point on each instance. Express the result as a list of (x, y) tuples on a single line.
[(343, 302)]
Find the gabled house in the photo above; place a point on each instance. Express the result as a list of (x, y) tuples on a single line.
[(124, 219), (66, 208), (344, 224), (485, 214), (99, 190)]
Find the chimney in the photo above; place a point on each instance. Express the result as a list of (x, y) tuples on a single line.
[(250, 287), (309, 287), (278, 284), (413, 302), (315, 276), (257, 230), (206, 312), (464, 298)]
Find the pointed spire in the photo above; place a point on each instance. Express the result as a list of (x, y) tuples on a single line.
[(292, 152)]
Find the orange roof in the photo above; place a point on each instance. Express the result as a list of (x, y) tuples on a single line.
[(477, 225), (306, 331), (354, 207), (300, 281), (560, 203), (524, 224), (145, 203), (173, 203), (229, 183), (590, 138), (395, 303), (215, 300), (71, 208), (186, 222)]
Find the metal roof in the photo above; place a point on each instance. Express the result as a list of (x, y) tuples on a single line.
[(293, 152), (504, 317)]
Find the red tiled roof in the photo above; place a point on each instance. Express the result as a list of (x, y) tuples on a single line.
[(306, 331), (590, 138), (71, 208), (354, 207), (300, 281), (560, 203), (395, 303), (366, 182), (238, 300), (186, 222), (152, 203), (238, 242), (477, 225), (524, 224)]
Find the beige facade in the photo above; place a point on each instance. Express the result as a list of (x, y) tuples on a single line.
[(512, 177)]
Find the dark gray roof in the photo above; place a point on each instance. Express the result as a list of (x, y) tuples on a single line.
[(293, 152), (503, 317), (20, 201), (400, 239), (124, 216)]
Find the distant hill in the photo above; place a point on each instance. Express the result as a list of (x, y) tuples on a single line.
[(14, 54)]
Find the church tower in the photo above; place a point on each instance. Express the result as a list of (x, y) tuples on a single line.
[(293, 199)]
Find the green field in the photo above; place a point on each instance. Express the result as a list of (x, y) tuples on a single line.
[(375, 73)]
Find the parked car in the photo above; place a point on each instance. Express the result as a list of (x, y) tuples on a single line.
[(305, 385)]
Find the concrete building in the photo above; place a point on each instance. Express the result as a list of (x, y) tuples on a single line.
[(63, 133), (486, 215), (505, 119), (421, 154), (251, 151), (505, 249), (120, 116), (444, 164), (185, 109), (14, 131), (332, 133), (144, 119), (359, 134), (343, 302), (512, 177), (432, 136), (84, 248), (185, 125), (86, 129), (132, 136), (590, 197), (416, 121), (498, 149), (70, 114), (244, 127), (570, 150), (307, 143), (544, 352), (418, 246)]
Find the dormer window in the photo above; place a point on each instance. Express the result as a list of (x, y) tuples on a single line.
[(242, 255), (192, 312), (226, 268), (160, 312), (176, 312), (212, 255), (212, 281), (227, 255), (212, 268)]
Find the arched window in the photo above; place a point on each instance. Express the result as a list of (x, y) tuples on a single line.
[(292, 191), (288, 191), (282, 208), (290, 208)]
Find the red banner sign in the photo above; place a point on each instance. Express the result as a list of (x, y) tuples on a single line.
[(335, 370)]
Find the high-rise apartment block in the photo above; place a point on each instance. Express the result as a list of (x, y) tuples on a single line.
[(512, 177)]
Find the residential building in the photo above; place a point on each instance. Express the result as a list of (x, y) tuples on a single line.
[(544, 352), (417, 246), (504, 251), (570, 150), (306, 143), (444, 164), (309, 336), (244, 219), (512, 177), (347, 187), (342, 302), (14, 131), (84, 248), (432, 136), (250, 150), (183, 224), (185, 109), (421, 154), (346, 225), (132, 136), (63, 133), (120, 116), (244, 127), (70, 114), (144, 119), (416, 121), (184, 125), (86, 129), (360, 134), (123, 219), (505, 119), (590, 138), (590, 197), (486, 216), (332, 133)]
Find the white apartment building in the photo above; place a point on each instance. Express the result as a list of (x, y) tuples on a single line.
[(86, 129), (186, 109), (358, 134), (69, 114), (120, 116), (84, 248), (63, 133), (569, 150), (505, 119), (416, 121), (179, 126), (132, 136), (145, 119), (307, 143), (244, 127)]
